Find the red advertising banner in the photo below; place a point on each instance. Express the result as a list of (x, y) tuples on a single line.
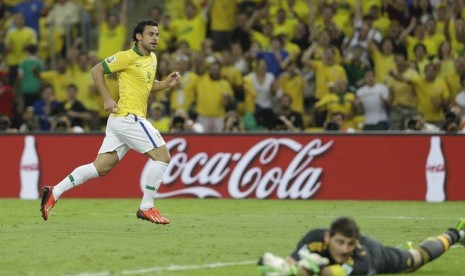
[(359, 167)]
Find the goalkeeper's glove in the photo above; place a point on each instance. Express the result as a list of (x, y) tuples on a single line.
[(271, 265), (311, 261)]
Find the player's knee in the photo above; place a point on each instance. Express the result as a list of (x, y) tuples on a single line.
[(104, 171), (165, 159)]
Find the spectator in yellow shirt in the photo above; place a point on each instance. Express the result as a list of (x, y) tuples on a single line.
[(383, 59), (15, 41), (326, 70), (338, 100), (112, 30), (291, 83), (214, 96), (403, 99), (232, 74), (432, 94), (59, 78), (192, 28), (453, 79), (222, 22), (158, 118)]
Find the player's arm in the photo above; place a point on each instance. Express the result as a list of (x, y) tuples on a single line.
[(98, 76), (172, 80)]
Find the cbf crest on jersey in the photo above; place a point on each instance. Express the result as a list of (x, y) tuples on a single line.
[(148, 76), (110, 59)]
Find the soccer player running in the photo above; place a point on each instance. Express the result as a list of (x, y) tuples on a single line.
[(127, 126), (341, 250)]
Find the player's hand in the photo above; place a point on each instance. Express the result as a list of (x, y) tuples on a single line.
[(311, 261), (173, 79), (110, 105), (271, 265)]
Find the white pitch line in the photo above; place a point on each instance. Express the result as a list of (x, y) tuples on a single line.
[(166, 268), (395, 217)]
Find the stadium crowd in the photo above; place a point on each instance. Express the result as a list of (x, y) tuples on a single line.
[(247, 65)]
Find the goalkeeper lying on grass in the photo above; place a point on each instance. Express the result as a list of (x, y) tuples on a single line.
[(341, 250)]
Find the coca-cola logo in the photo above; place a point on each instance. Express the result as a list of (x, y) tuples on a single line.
[(30, 167), (252, 173), (436, 168)]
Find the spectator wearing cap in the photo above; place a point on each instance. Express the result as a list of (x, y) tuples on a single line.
[(158, 118)]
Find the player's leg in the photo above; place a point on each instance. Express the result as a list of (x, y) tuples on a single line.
[(111, 151), (160, 157), (141, 136), (101, 166), (432, 248)]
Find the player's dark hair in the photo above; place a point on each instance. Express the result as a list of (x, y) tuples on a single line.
[(140, 26), (345, 226)]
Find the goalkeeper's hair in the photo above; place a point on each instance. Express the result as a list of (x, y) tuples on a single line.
[(345, 226), (140, 26)]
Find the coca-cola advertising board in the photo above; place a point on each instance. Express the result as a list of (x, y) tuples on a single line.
[(265, 166)]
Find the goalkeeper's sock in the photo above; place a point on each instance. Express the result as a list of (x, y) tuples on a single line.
[(77, 177), (435, 247), (154, 177)]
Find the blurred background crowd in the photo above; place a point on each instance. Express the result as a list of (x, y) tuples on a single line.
[(247, 65)]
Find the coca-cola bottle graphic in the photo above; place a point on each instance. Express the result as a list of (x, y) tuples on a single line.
[(29, 170), (435, 172)]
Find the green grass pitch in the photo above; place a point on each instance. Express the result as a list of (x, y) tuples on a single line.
[(205, 237)]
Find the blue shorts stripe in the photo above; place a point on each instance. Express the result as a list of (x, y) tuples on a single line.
[(148, 134)]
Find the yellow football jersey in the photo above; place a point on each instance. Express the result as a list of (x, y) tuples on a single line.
[(136, 74)]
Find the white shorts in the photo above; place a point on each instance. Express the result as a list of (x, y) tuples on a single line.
[(127, 132)]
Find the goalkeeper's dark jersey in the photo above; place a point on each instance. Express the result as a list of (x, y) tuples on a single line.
[(370, 256)]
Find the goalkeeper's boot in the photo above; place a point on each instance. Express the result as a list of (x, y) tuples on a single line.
[(48, 201), (152, 215), (461, 227)]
